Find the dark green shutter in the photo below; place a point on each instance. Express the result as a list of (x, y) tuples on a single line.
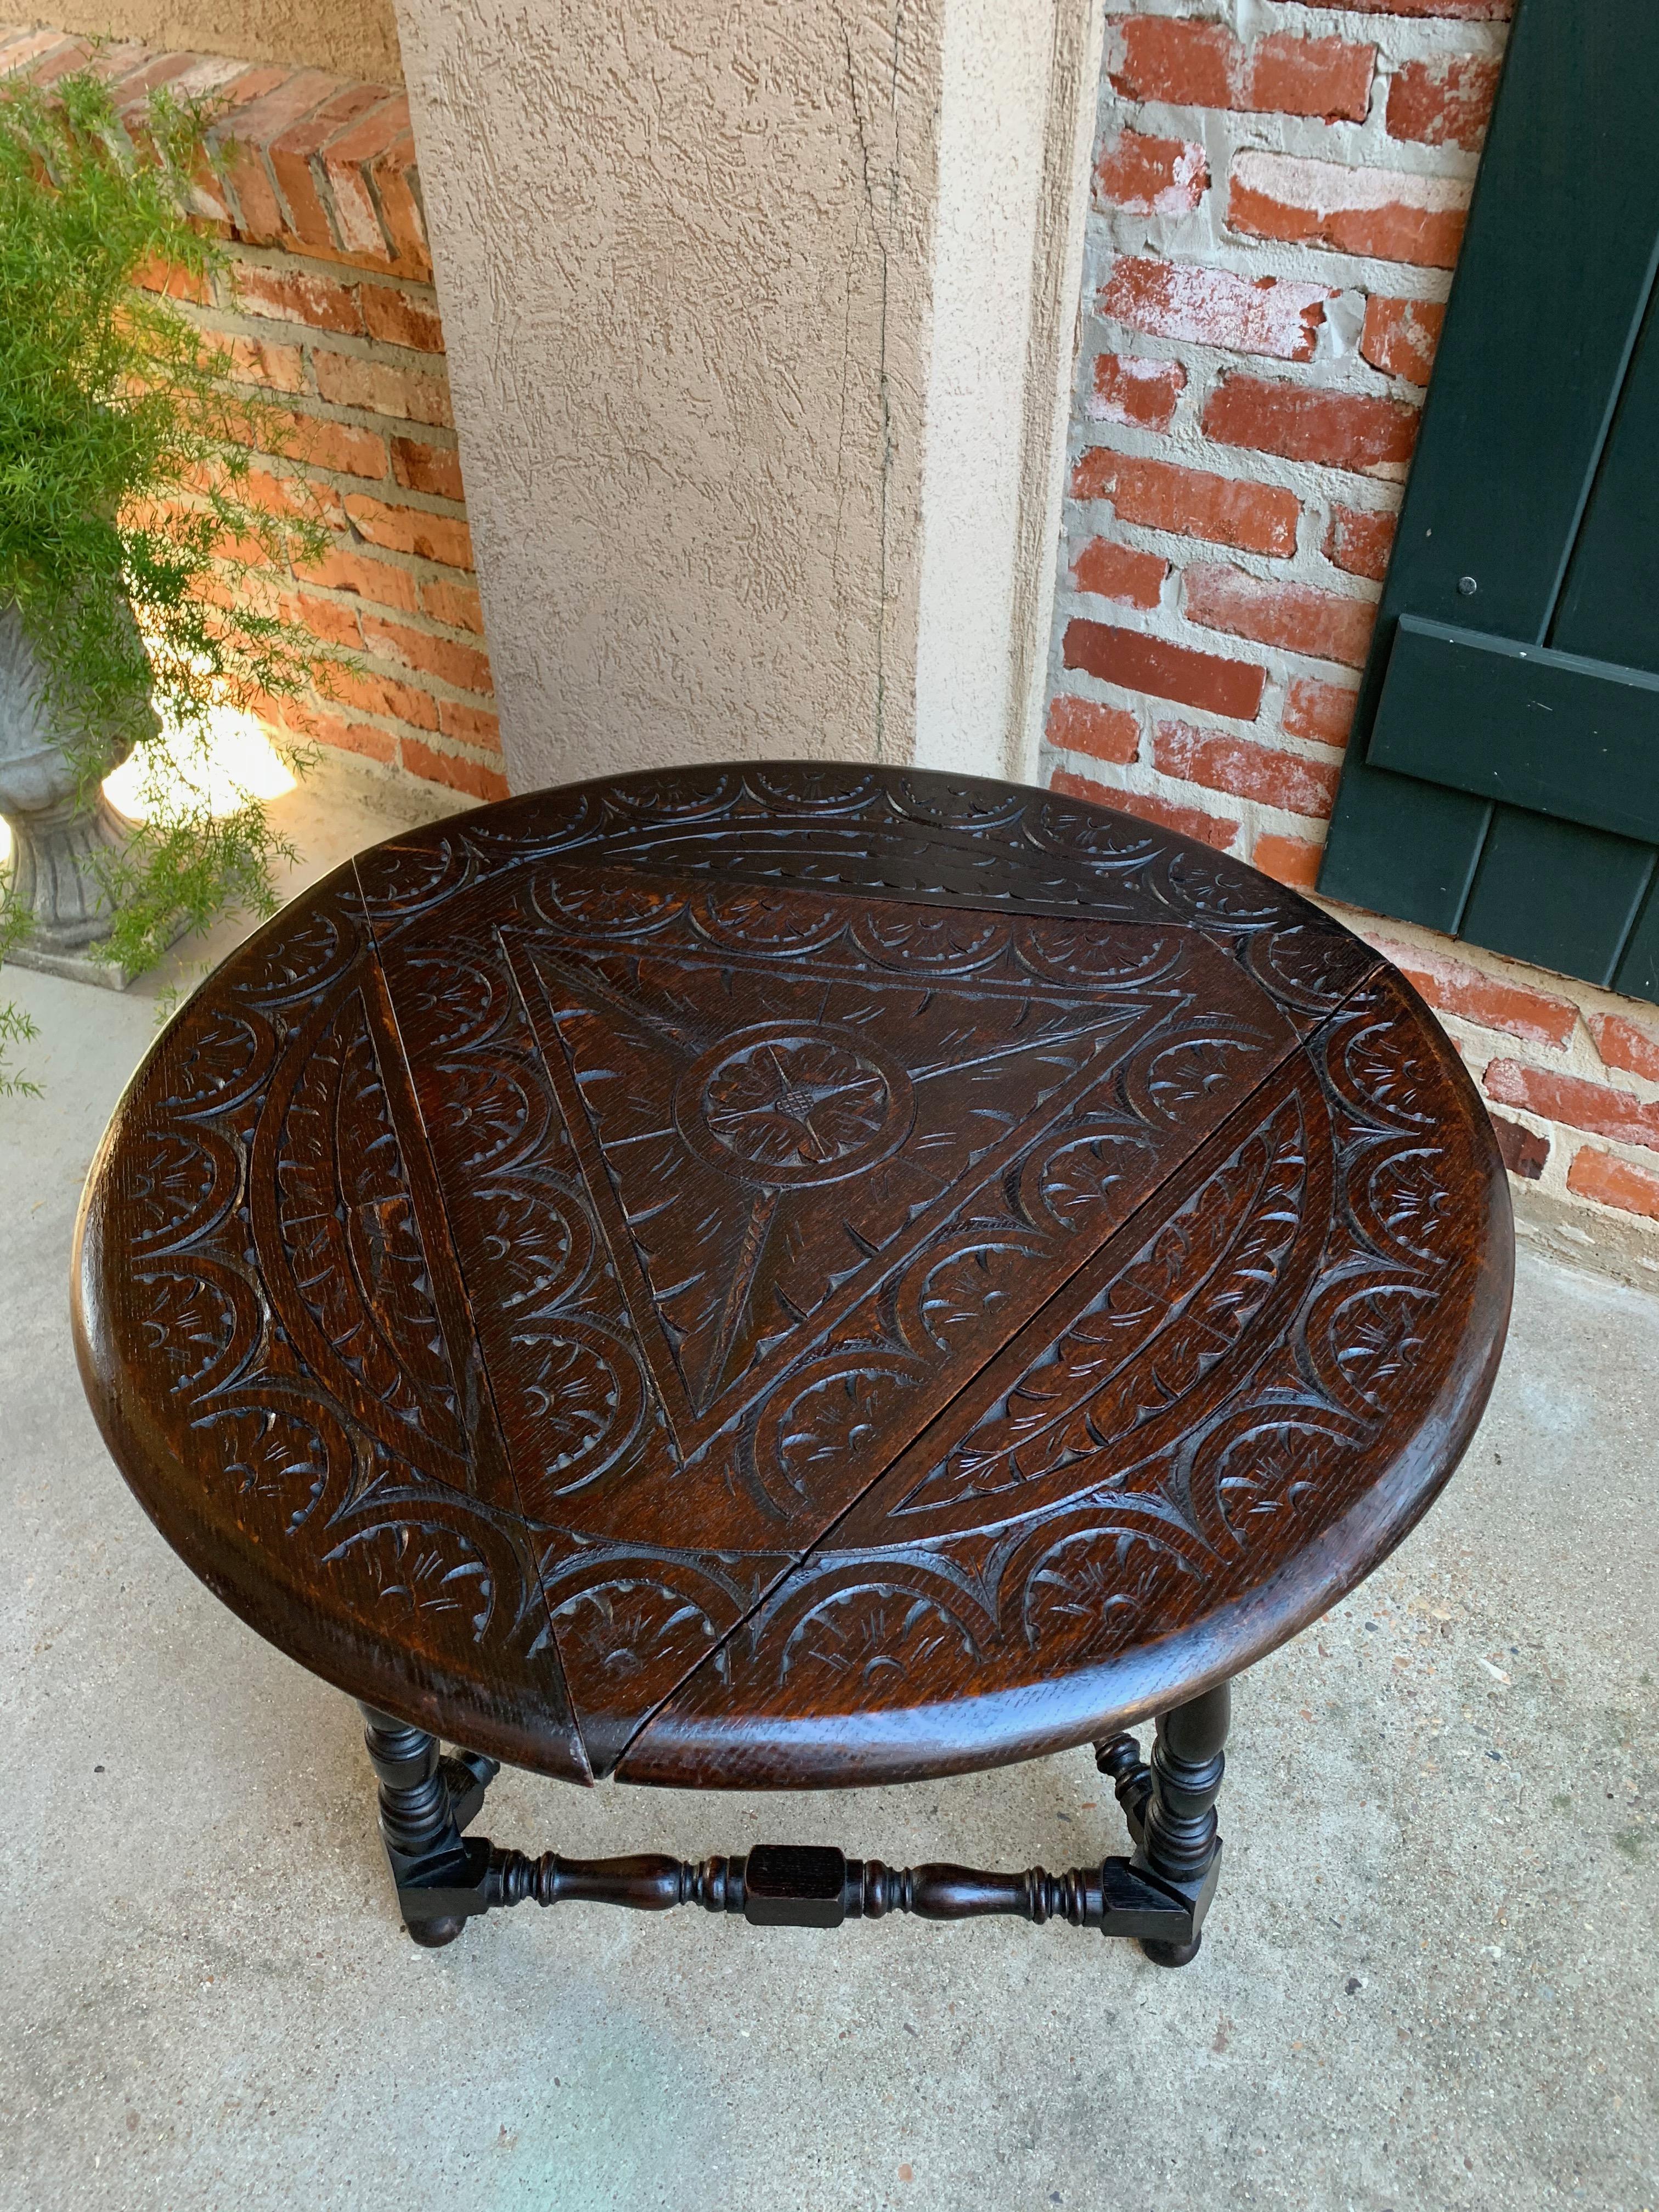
[(1502, 783)]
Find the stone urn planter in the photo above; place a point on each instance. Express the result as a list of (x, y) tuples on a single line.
[(56, 839)]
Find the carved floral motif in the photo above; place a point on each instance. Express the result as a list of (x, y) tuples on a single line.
[(794, 1105)]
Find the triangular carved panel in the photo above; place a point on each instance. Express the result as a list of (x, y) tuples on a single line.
[(763, 1146)]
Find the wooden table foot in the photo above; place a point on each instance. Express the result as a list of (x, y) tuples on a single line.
[(425, 1802), (1171, 1807)]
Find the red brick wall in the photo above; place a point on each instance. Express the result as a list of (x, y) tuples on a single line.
[(1275, 220), (328, 308)]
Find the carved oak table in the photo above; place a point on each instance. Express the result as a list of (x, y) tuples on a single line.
[(779, 1276)]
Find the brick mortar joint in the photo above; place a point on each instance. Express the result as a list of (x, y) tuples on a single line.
[(1313, 482), (1281, 662), (1171, 623), (228, 320), (384, 488), (392, 726), (1348, 373), (1165, 713), (281, 260), (337, 411), (1188, 240), (1307, 562), (1224, 133), (1395, 38), (385, 352), (416, 566), (424, 679), (1289, 575), (408, 618), (1140, 777), (388, 427), (1307, 565)]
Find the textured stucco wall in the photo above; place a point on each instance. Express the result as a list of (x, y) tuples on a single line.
[(1017, 116), (682, 259), (993, 121), (353, 38)]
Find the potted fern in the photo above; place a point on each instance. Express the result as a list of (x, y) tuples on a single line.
[(137, 583)]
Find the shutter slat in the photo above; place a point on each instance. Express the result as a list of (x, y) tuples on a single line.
[(1557, 895), (1563, 735), (1609, 605)]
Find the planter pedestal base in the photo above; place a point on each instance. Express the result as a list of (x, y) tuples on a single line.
[(72, 967), (55, 852)]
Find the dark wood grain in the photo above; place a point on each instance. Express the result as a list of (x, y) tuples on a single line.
[(791, 1274)]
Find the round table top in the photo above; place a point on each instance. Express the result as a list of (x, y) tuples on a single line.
[(791, 1274)]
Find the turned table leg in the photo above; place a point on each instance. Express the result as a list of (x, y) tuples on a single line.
[(1179, 1842), (425, 1802)]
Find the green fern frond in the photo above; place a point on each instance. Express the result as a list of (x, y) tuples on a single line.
[(141, 569)]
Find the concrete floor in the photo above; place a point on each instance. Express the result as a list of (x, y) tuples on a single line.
[(1428, 1980)]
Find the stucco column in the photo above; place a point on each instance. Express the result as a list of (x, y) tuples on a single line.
[(759, 316)]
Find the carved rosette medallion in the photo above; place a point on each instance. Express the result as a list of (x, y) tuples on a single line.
[(782, 1104)]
